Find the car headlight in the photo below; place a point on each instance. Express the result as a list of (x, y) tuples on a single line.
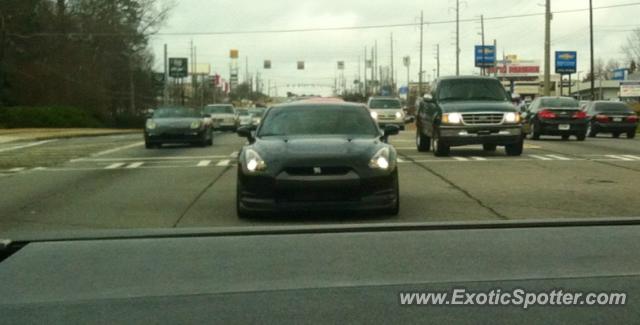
[(151, 125), (452, 118), (374, 115), (512, 118), (382, 160), (398, 115), (254, 161), (195, 125)]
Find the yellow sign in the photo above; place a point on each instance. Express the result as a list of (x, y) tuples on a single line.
[(567, 56), (234, 54)]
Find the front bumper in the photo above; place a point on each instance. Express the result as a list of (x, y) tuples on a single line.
[(470, 135), (576, 127), (174, 136), (288, 193)]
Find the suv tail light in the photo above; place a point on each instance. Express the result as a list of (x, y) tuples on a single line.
[(602, 118), (632, 118), (546, 115), (580, 115)]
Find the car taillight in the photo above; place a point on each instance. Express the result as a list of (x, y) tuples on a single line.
[(580, 115), (602, 118), (546, 115), (632, 118)]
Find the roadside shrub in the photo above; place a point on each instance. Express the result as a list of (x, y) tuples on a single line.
[(47, 117)]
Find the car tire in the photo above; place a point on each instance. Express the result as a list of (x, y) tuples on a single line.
[(489, 147), (439, 149), (395, 210), (615, 135), (565, 137), (514, 149), (581, 137), (591, 130), (210, 142), (423, 142), (631, 134), (534, 131), (149, 145)]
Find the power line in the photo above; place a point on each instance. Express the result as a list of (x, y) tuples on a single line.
[(323, 29)]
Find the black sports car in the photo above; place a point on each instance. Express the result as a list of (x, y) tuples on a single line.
[(310, 156), (177, 125)]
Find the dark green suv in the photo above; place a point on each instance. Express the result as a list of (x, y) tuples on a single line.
[(463, 111)]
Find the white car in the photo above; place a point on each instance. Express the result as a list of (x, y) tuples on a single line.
[(223, 116), (244, 118), (256, 115)]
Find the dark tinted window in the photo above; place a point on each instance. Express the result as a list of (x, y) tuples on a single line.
[(257, 112), (472, 89), (318, 120), (385, 103), (559, 103), (218, 109), (175, 112), (612, 108)]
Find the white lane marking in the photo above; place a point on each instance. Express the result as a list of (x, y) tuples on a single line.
[(135, 165), (559, 157), (479, 159), (632, 157), (234, 154), (148, 158), (400, 160), (623, 158), (33, 144), (204, 163), (17, 170), (460, 158), (224, 163), (540, 157), (405, 148), (115, 166), (106, 152)]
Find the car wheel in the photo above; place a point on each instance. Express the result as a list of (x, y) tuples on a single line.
[(582, 136), (423, 142), (615, 135), (591, 130), (489, 147), (514, 149), (534, 131), (149, 145), (396, 208), (210, 142), (631, 134), (565, 137), (439, 149)]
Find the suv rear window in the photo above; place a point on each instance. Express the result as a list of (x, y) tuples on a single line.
[(559, 103), (612, 108)]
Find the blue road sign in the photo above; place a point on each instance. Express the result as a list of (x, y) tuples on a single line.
[(566, 62), (485, 56), (619, 74), (404, 90)]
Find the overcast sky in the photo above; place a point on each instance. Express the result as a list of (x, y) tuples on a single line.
[(321, 50)]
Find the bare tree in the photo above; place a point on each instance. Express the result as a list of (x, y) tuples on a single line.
[(632, 48)]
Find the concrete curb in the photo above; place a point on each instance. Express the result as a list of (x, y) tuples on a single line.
[(71, 136)]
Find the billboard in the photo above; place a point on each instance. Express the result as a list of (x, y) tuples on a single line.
[(178, 67), (619, 74), (517, 69), (485, 56), (234, 54), (566, 62), (630, 89)]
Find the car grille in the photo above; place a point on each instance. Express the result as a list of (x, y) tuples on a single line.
[(311, 171), (318, 195), (482, 118)]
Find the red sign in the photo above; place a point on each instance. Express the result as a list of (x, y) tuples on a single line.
[(516, 70)]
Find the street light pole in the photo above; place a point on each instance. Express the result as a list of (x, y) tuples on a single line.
[(593, 87), (547, 49)]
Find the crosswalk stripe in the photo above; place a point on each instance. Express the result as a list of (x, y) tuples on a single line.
[(17, 169), (479, 158), (623, 158), (540, 157), (460, 159), (558, 157), (115, 165), (224, 163), (135, 165), (400, 160), (204, 163), (632, 157)]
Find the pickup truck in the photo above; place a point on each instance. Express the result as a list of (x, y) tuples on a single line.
[(468, 110)]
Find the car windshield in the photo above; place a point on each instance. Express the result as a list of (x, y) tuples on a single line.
[(471, 90), (385, 104), (559, 103), (612, 108), (309, 120), (242, 112), (176, 113), (219, 110)]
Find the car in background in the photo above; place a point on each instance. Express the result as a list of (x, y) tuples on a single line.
[(611, 117), (558, 116), (223, 116), (584, 104), (244, 118), (466, 111), (177, 125), (317, 156), (256, 115), (387, 111)]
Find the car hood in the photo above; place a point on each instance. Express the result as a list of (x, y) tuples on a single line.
[(222, 116), (476, 107), (176, 122), (318, 151)]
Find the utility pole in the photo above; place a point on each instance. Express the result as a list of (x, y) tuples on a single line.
[(593, 86), (547, 49), (458, 37), (495, 46), (377, 75), (438, 60), (166, 75), (482, 69), (365, 72), (420, 94), (393, 88)]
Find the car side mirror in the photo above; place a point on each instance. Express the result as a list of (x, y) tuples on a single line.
[(409, 119), (390, 130), (246, 132)]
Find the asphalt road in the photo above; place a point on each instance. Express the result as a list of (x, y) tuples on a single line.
[(114, 183)]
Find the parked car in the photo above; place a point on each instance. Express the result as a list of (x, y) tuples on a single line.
[(558, 116), (223, 116), (317, 156), (387, 111), (611, 117), (177, 125), (465, 111)]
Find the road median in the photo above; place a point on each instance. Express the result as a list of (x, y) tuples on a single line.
[(38, 134)]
